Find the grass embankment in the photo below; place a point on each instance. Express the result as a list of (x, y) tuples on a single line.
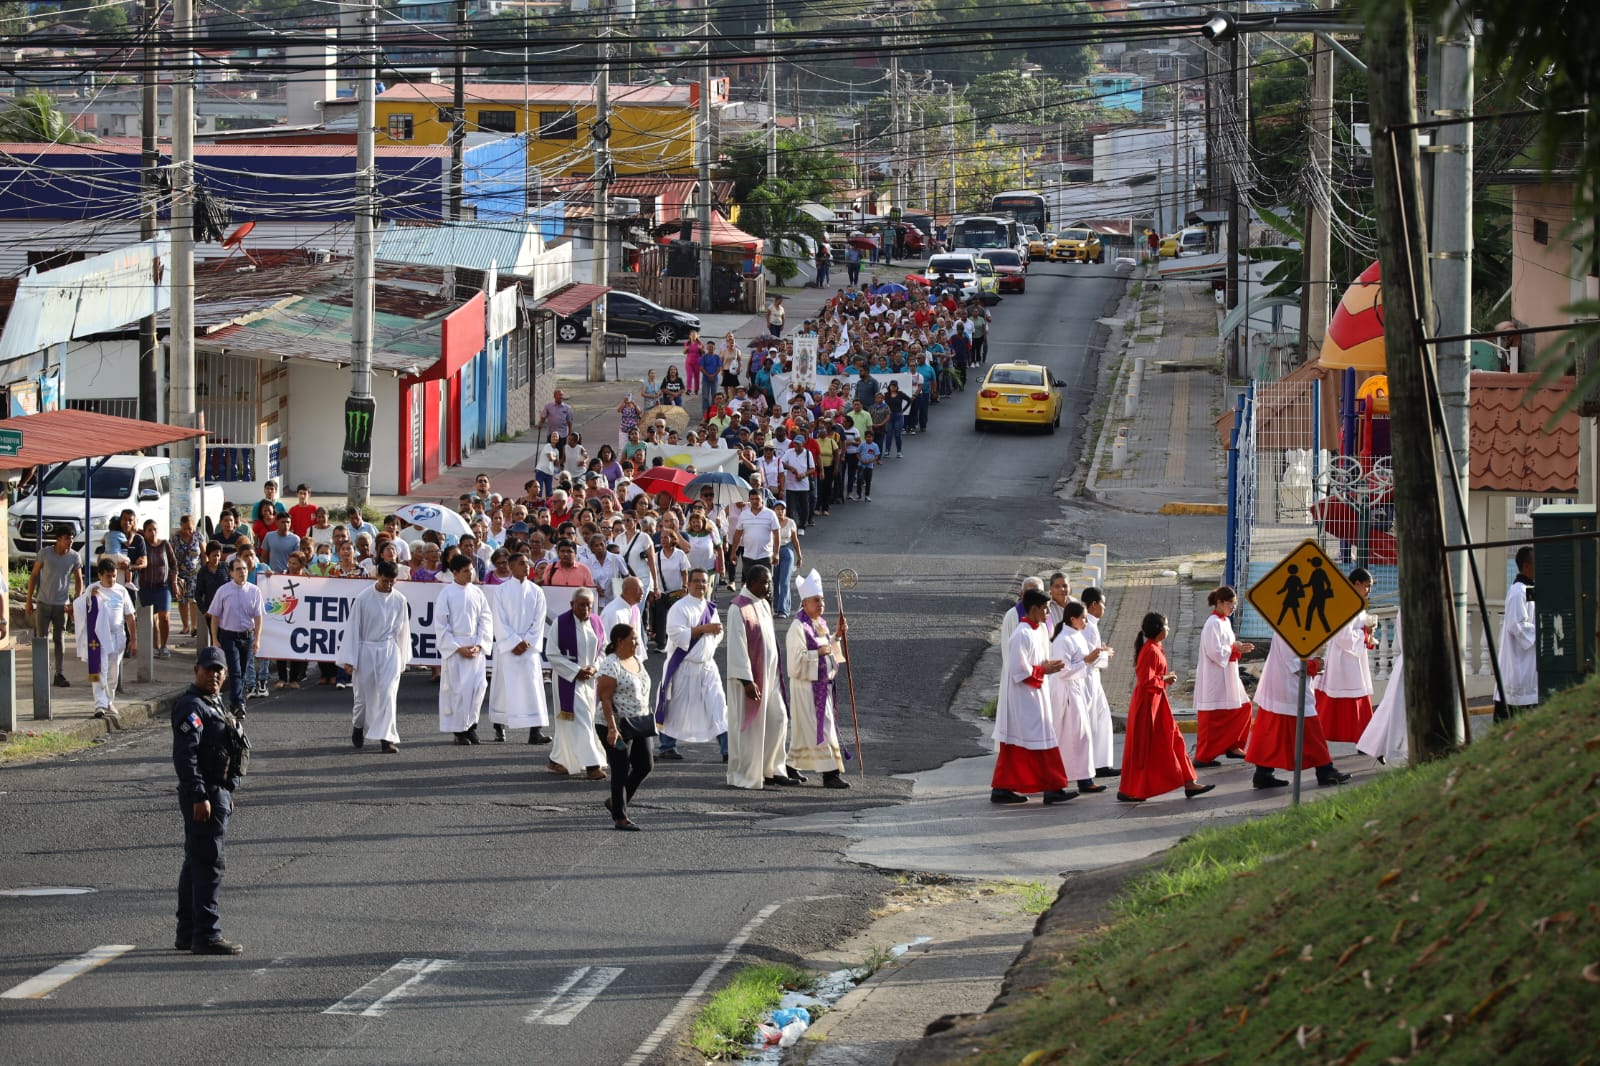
[(727, 1023), (18, 746), (1449, 913)]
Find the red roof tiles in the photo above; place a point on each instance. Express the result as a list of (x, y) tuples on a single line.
[(1514, 446)]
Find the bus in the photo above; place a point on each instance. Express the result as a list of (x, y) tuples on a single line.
[(983, 231), (1028, 208)]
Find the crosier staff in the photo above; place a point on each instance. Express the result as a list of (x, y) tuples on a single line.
[(846, 579)]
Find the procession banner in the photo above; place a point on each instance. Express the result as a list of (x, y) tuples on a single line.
[(780, 383), (805, 358), (306, 615), (704, 460)]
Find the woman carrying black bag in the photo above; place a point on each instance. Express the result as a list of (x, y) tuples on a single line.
[(623, 688)]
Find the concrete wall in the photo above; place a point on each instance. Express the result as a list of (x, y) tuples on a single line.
[(1542, 274), (102, 370), (316, 400)]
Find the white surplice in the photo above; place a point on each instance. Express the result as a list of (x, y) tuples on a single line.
[(1069, 702), (1346, 668), (759, 750), (1519, 666), (1217, 686), (1025, 716), (697, 707), (1101, 730), (1385, 736), (1008, 626), (377, 643), (464, 620), (577, 745), (115, 605), (516, 693)]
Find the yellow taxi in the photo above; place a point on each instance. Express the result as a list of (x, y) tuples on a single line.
[(1039, 246), (1077, 246), (1018, 394), (1191, 241)]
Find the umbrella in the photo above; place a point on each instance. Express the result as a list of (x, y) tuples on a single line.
[(730, 488), (670, 480), (863, 243), (890, 288), (433, 516)]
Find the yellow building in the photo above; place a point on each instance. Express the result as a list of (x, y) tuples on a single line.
[(652, 126)]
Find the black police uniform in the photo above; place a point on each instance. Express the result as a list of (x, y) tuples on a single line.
[(201, 755)]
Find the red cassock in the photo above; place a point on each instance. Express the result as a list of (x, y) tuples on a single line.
[(1154, 757), (1343, 717)]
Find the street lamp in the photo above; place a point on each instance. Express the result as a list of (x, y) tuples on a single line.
[(1219, 26)]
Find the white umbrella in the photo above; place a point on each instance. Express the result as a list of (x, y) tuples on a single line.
[(433, 516)]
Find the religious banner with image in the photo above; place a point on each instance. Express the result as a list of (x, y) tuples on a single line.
[(306, 615), (805, 359)]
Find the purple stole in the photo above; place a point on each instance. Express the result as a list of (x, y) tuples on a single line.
[(824, 683), (758, 652), (567, 644), (676, 660), (91, 620)]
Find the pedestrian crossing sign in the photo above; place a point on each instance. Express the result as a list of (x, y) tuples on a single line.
[(1306, 598)]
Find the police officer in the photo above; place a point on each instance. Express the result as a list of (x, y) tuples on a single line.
[(203, 756)]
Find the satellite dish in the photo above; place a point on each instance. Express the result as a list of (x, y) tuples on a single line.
[(235, 239)]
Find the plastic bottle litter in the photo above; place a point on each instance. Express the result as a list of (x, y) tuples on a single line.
[(767, 1034)]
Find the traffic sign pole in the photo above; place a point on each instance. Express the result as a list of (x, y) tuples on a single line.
[(1300, 731)]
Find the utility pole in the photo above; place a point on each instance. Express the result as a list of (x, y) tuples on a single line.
[(1235, 137), (359, 405), (149, 169), (950, 105), (1316, 286), (601, 134), (1433, 681), (458, 116), (894, 105), (705, 162), (772, 94), (1450, 97), (1177, 153), (180, 337)]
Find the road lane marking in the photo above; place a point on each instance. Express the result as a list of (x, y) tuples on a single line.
[(41, 986), (593, 981), (373, 999)]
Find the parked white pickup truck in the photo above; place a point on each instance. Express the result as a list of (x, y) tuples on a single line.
[(142, 483)]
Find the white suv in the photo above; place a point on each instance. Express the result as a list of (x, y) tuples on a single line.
[(959, 266)]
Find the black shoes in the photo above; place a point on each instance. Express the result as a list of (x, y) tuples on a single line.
[(1327, 775), (670, 755), (389, 747), (1106, 771), (357, 737), (461, 739), (499, 734), (1002, 795), (1266, 779), (832, 779), (538, 736), (1123, 797), (218, 947), (1191, 793), (1207, 765), (787, 782), (724, 757), (795, 775), (1059, 795), (1089, 788), (62, 682), (472, 733)]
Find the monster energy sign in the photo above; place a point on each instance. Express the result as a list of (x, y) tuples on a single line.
[(358, 415)]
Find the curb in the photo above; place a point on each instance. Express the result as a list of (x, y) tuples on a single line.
[(134, 716), (1175, 508)]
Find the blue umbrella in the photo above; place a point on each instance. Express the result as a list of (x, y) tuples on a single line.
[(891, 289), (729, 488)]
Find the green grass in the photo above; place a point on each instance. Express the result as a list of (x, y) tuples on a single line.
[(1033, 897), (990, 708), (729, 1020), (25, 746), (1448, 913)]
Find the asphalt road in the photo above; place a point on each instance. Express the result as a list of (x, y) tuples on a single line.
[(461, 905)]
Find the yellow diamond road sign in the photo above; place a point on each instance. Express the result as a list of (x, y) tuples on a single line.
[(1306, 598)]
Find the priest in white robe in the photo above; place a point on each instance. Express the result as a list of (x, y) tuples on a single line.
[(516, 693), (574, 660), (758, 733), (374, 650), (691, 705), (465, 635), (813, 661), (1029, 756), (1517, 654), (104, 618)]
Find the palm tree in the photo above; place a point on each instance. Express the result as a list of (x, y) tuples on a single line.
[(772, 211), (34, 118)]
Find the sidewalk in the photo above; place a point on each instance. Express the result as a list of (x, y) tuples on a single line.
[(1159, 453)]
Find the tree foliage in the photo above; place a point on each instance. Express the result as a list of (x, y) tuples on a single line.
[(33, 117), (805, 169)]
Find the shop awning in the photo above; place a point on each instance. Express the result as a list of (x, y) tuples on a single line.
[(67, 435), (572, 299)]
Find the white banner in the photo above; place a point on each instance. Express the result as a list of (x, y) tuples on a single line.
[(704, 460), (306, 615), (780, 384)]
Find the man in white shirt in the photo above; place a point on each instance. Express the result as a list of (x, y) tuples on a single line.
[(771, 469), (798, 469), (627, 608), (756, 533)]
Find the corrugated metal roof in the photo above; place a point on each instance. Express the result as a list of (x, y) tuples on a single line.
[(65, 435), (320, 151), (320, 332), (478, 246), (565, 94)]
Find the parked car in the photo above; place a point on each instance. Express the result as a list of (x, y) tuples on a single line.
[(1190, 241), (140, 483), (634, 316)]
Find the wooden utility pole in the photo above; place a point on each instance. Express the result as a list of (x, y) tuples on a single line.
[(1433, 682), (458, 116), (149, 180)]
